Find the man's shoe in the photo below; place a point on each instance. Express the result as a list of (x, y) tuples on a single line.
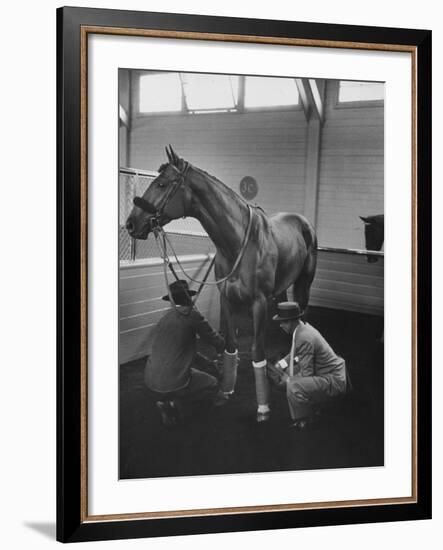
[(263, 416), (302, 424), (221, 399), (167, 413), (177, 411)]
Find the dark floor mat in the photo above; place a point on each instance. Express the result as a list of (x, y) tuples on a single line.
[(228, 439)]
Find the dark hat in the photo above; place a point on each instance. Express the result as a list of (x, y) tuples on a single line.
[(287, 311), (180, 292)]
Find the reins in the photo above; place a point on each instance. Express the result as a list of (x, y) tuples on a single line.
[(166, 241), (167, 263)]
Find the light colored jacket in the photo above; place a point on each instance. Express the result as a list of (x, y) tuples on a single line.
[(313, 356)]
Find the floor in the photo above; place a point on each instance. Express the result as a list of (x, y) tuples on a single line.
[(228, 439)]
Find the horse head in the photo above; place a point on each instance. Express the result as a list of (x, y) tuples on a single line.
[(374, 234), (164, 200)]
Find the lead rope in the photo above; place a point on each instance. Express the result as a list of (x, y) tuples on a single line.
[(167, 263), (237, 261)]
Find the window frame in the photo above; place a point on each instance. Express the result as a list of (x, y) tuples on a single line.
[(185, 111), (135, 83), (354, 104), (272, 108)]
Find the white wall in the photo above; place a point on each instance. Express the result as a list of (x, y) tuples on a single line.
[(271, 146), (27, 406), (351, 171)]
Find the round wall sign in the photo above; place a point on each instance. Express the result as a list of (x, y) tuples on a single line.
[(248, 187)]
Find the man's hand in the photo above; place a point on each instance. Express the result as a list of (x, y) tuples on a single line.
[(203, 361), (277, 376)]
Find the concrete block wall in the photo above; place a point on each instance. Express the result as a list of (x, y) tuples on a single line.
[(351, 171), (270, 146)]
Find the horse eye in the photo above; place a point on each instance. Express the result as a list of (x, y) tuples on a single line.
[(161, 184)]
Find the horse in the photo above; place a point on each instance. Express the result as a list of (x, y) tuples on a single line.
[(257, 257), (374, 234)]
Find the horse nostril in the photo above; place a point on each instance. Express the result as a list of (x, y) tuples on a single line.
[(129, 226)]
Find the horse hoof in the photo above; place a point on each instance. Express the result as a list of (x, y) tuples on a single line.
[(263, 416)]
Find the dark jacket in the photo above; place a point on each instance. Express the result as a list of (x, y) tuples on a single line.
[(174, 348)]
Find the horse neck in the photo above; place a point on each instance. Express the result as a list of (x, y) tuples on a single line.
[(221, 212)]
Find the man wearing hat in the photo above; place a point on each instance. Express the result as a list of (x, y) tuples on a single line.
[(311, 373), (170, 372)]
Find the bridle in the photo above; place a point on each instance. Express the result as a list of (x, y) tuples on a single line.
[(162, 239), (174, 186)]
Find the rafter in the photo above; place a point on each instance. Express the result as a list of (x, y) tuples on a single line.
[(311, 93)]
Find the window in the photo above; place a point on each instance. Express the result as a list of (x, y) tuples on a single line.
[(270, 92), (194, 93), (160, 93), (210, 92), (360, 91)]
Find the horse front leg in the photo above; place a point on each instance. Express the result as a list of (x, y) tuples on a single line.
[(259, 314), (230, 355)]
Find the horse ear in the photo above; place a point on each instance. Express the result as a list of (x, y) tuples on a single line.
[(169, 155), (364, 220), (175, 157)]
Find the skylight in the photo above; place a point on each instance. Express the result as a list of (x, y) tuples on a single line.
[(360, 91), (270, 92), (160, 93), (206, 92)]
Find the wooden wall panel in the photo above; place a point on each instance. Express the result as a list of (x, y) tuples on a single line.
[(141, 306), (348, 282), (343, 281)]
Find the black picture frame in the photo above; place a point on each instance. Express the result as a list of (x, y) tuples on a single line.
[(73, 523)]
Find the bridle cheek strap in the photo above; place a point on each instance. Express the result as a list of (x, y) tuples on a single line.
[(177, 183)]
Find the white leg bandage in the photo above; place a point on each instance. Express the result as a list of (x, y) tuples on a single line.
[(229, 377), (261, 384)]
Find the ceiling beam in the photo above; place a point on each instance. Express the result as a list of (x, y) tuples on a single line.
[(311, 92), (317, 89), (304, 98), (123, 116)]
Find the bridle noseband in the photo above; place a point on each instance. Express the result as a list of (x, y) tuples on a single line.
[(176, 183)]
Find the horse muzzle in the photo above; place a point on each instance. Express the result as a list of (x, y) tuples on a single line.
[(140, 224)]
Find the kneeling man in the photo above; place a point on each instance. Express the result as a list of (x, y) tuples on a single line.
[(311, 373), (170, 373)]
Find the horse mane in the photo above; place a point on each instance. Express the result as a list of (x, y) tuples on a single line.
[(214, 179), (211, 178)]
